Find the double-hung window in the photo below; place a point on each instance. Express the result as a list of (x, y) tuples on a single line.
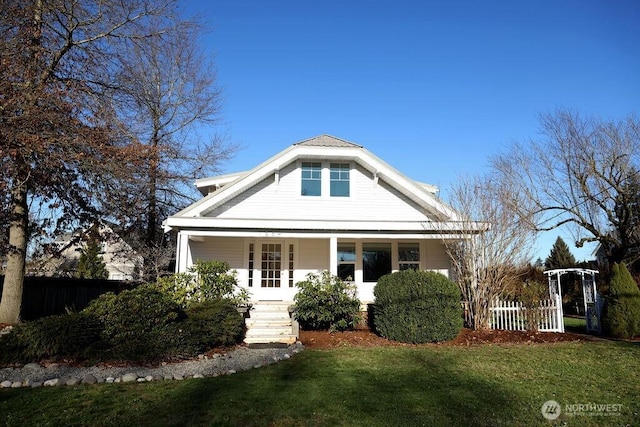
[(311, 179), (339, 179), (409, 256)]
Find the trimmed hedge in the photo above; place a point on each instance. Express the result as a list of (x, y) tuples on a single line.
[(137, 323), (417, 307), (74, 335), (621, 314), (209, 324), (141, 325)]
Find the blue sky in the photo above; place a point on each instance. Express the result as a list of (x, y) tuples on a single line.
[(433, 88)]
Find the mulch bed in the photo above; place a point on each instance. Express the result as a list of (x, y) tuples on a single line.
[(466, 337)]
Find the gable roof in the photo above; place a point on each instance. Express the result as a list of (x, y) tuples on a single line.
[(320, 147)]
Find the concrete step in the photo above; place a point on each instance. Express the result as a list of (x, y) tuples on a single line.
[(271, 306), (283, 330), (265, 323), (269, 322), (271, 339)]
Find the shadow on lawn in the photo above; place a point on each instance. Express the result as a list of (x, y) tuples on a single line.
[(339, 388)]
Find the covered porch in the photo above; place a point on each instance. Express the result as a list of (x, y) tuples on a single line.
[(269, 264)]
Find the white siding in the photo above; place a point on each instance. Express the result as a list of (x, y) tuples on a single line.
[(313, 256), (281, 199), (437, 258), (226, 249)]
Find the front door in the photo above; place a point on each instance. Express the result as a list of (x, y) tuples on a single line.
[(273, 271), (271, 265)]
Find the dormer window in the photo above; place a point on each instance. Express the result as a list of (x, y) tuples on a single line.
[(339, 179), (311, 179)]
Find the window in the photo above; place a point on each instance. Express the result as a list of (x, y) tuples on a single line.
[(409, 256), (346, 261), (311, 179), (291, 266), (339, 174), (376, 260), (250, 265)]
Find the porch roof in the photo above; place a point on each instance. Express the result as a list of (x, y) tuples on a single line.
[(326, 228)]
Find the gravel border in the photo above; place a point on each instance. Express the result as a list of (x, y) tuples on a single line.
[(240, 359)]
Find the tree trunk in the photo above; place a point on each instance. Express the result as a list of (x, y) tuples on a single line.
[(14, 274)]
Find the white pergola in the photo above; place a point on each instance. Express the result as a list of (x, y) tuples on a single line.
[(592, 300)]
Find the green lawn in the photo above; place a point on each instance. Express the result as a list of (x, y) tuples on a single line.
[(575, 324), (488, 385)]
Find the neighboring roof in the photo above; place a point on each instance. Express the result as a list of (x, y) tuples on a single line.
[(327, 141), (320, 147), (206, 184)]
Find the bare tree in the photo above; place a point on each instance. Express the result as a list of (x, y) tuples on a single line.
[(581, 172), (487, 264), (59, 142), (167, 99)]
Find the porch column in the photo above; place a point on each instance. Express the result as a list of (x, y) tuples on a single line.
[(182, 255), (333, 255)]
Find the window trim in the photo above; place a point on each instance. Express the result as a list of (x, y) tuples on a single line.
[(343, 170), (313, 167)]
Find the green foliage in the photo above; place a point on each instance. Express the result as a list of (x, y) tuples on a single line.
[(560, 256), (205, 280), (74, 335), (531, 293), (417, 307), (326, 302), (209, 324), (621, 314), (137, 322), (91, 265)]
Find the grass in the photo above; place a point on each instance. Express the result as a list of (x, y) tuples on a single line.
[(488, 385), (575, 324)]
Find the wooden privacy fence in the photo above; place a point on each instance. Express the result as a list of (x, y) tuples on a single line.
[(514, 316), (46, 296)]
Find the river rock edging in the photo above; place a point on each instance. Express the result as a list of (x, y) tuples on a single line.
[(241, 359)]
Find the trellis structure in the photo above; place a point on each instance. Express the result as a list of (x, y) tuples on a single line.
[(592, 299)]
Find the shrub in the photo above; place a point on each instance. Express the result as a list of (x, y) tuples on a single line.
[(325, 302), (74, 335), (531, 293), (205, 280), (210, 324), (621, 314), (417, 306), (136, 322)]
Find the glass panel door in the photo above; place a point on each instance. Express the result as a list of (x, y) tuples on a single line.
[(271, 268)]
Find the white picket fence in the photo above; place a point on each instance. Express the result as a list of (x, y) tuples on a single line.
[(512, 315)]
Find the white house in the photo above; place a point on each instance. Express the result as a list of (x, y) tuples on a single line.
[(321, 204)]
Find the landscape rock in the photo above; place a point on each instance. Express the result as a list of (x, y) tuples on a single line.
[(240, 359), (89, 379), (130, 377), (73, 381)]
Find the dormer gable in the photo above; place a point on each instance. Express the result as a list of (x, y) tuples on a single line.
[(324, 149)]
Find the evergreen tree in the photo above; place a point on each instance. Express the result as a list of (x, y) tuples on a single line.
[(560, 256), (621, 316), (91, 265)]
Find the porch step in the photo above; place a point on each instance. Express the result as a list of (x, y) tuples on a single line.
[(269, 323)]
